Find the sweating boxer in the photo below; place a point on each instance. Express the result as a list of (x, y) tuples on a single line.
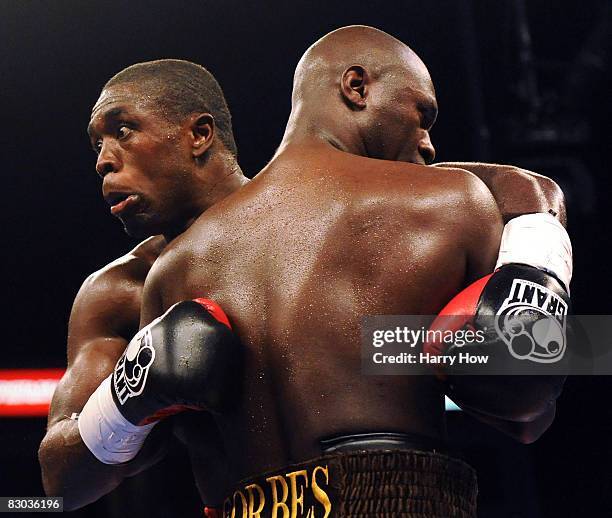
[(166, 152), (334, 228)]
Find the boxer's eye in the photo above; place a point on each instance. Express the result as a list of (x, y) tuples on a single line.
[(123, 131), (97, 146), (428, 113)]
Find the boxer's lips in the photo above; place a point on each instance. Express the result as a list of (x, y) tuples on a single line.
[(122, 202)]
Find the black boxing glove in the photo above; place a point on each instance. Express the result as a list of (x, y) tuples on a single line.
[(516, 313), (184, 359)]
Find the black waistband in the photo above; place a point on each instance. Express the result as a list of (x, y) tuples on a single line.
[(381, 441)]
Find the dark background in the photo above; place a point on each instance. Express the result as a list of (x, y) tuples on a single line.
[(526, 83)]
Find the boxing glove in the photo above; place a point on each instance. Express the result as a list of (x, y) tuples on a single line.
[(531, 278), (185, 359), (517, 313)]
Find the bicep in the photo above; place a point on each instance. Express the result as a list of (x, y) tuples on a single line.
[(483, 229), (103, 318)]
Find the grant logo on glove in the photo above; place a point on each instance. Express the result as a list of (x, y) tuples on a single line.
[(131, 371), (532, 322)]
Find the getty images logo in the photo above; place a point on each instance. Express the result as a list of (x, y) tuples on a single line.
[(532, 322), (132, 368)]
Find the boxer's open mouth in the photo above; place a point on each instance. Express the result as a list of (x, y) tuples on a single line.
[(121, 202)]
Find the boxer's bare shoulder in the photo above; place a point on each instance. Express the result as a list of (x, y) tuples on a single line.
[(131, 267), (108, 302), (406, 200)]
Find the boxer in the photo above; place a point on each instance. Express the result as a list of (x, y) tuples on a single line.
[(153, 124), (336, 227)]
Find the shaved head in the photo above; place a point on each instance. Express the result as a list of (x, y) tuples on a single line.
[(380, 53), (365, 92)]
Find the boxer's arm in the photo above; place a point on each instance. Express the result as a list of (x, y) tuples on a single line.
[(522, 417), (517, 191), (104, 312), (482, 229)]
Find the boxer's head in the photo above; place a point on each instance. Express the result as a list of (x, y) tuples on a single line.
[(163, 135), (370, 91)]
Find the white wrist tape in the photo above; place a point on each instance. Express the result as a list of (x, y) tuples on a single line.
[(538, 240), (107, 434)]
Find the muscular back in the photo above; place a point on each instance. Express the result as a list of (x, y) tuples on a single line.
[(319, 239)]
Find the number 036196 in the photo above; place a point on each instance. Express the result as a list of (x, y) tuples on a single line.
[(31, 504)]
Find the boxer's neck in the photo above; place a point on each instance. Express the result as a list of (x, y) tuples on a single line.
[(218, 178), (306, 127)]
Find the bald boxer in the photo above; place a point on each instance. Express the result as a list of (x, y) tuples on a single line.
[(334, 228), (166, 152)]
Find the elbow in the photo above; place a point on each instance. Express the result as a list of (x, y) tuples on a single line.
[(530, 432), (528, 437), (534, 400), (50, 480), (554, 197), (53, 476)]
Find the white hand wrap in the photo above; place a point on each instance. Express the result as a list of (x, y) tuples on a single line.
[(107, 434), (538, 240)]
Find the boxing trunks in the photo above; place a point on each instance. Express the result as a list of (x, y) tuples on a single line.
[(369, 475)]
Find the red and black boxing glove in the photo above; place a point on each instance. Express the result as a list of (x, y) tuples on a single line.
[(182, 360), (516, 313), (185, 359)]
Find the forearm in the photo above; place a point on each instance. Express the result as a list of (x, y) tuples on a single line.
[(517, 191), (535, 250), (70, 470)]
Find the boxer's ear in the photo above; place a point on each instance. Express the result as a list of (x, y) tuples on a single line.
[(354, 86), (202, 133)]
